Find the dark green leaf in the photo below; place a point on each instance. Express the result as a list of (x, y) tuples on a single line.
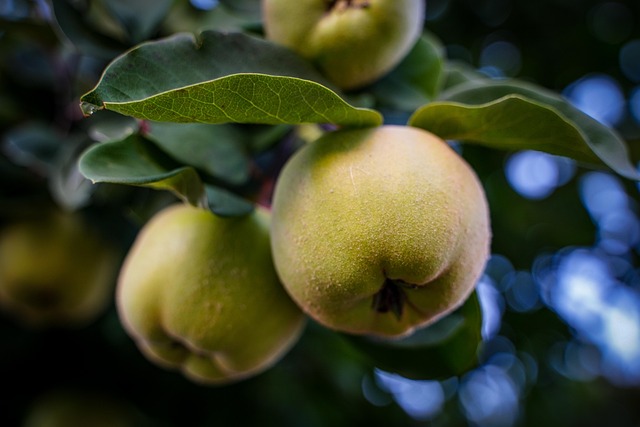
[(445, 349), (417, 80), (252, 8), (224, 203), (456, 73), (109, 126), (218, 150), (229, 78), (68, 187), (519, 116), (261, 137), (70, 22), (140, 18), (185, 18), (34, 145), (136, 161)]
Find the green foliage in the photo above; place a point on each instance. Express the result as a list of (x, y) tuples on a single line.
[(236, 78), (218, 151), (450, 345), (230, 78), (135, 161), (197, 104), (76, 27), (417, 80), (520, 116)]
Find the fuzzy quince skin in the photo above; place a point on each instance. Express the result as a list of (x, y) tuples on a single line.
[(199, 293), (353, 42), (56, 270), (379, 231)]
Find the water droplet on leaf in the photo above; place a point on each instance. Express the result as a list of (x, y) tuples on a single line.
[(88, 109)]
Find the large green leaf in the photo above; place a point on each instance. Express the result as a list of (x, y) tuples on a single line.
[(447, 348), (218, 150), (519, 116), (136, 161), (220, 78)]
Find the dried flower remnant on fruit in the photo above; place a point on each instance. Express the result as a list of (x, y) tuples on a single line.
[(339, 5), (390, 297)]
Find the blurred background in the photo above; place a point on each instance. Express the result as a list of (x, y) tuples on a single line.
[(560, 296)]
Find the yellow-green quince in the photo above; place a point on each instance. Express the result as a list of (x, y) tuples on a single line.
[(379, 231)]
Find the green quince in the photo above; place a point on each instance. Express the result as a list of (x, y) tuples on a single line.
[(56, 270), (353, 42), (199, 293), (379, 231)]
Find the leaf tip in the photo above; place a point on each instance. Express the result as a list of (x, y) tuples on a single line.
[(88, 109)]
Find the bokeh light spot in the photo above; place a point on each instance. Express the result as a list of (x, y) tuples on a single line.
[(602, 311), (205, 4), (436, 9), (422, 400), (492, 306), (497, 268), (611, 22), (533, 174), (599, 96), (630, 60), (522, 292), (634, 104), (14, 10), (493, 12), (489, 397), (619, 231), (373, 393), (602, 193), (501, 58)]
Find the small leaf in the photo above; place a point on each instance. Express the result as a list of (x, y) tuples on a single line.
[(70, 22), (109, 126), (519, 116), (251, 8), (224, 203), (136, 161), (229, 78), (445, 349), (184, 17), (140, 18), (217, 150), (416, 80), (456, 73), (68, 187), (34, 145)]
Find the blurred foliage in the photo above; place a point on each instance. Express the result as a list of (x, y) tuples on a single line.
[(53, 52)]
